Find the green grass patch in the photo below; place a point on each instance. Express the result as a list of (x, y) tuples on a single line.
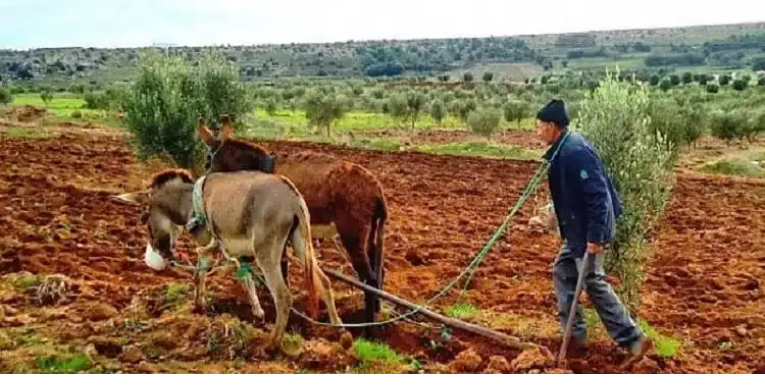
[(378, 144), (481, 149), (737, 167), (176, 293), (25, 281), (663, 346), (375, 351), (24, 133), (462, 311), (63, 365)]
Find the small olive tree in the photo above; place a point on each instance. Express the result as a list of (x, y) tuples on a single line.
[(485, 121), (614, 118), (322, 109)]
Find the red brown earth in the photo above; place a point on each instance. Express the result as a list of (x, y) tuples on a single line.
[(703, 284)]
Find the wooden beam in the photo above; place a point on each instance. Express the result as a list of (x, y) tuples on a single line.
[(505, 339)]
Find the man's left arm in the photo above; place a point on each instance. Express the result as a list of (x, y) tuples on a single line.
[(594, 187)]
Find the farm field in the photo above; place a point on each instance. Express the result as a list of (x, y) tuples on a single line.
[(75, 294)]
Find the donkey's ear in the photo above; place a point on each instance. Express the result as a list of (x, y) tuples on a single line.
[(204, 133), (137, 198), (225, 128)]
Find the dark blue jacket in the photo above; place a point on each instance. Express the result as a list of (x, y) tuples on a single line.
[(584, 198)]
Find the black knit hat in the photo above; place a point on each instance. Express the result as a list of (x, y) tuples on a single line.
[(554, 111)]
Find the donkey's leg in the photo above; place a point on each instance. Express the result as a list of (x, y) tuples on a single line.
[(353, 235), (199, 289), (252, 293), (269, 257)]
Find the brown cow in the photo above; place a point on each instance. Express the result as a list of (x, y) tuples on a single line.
[(343, 198)]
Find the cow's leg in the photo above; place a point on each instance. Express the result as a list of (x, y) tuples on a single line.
[(353, 234)]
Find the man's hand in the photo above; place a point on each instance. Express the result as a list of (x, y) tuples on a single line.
[(593, 248)]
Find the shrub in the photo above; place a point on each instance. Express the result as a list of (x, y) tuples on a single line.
[(724, 80), (163, 105), (740, 84), (322, 109), (467, 77), (713, 88), (727, 125), (46, 95), (665, 85), (5, 96), (614, 119), (516, 111), (437, 110), (484, 121)]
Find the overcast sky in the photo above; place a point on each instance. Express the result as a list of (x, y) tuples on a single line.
[(119, 23)]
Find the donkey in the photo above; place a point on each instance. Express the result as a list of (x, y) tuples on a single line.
[(343, 198), (247, 214)]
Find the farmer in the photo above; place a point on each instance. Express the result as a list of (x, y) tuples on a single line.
[(586, 206)]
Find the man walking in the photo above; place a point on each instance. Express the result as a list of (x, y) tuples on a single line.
[(586, 206)]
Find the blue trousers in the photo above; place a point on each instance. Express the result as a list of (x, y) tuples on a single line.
[(611, 311)]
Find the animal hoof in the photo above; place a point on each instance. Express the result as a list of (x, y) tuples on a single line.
[(258, 313)]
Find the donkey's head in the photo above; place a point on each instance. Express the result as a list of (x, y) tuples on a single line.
[(166, 202), (227, 155)]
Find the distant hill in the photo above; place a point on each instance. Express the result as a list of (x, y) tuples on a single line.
[(716, 47)]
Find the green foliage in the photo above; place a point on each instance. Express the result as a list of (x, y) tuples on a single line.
[(654, 80), (270, 106), (665, 85), (674, 79), (397, 107), (687, 78), (758, 64), (663, 346), (467, 77), (160, 111), (77, 88), (163, 105), (485, 121), (176, 293), (712, 88), (680, 125), (375, 351), (740, 84), (614, 118), (761, 81), (736, 167), (63, 365), (5, 96), (437, 110), (415, 103), (728, 125), (515, 111), (462, 311), (322, 109), (488, 76), (46, 95), (724, 80)]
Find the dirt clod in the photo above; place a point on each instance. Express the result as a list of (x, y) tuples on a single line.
[(497, 365), (132, 355), (100, 311), (532, 359), (468, 361)]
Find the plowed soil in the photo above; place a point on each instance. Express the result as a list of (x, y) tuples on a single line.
[(703, 283)]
